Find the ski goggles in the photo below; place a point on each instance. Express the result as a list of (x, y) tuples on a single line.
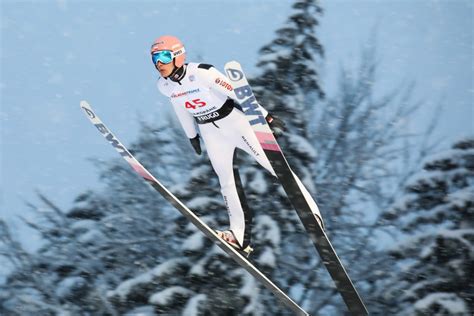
[(165, 56)]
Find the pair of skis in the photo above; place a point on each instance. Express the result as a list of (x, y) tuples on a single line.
[(190, 215), (280, 165)]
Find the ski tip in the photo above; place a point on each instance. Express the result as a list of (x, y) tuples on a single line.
[(84, 103), (88, 110)]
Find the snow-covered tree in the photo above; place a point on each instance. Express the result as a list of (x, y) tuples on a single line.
[(288, 80), (289, 63), (435, 253)]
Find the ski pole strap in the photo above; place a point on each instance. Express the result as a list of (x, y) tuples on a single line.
[(216, 115)]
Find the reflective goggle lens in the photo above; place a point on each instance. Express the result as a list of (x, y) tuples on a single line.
[(164, 56)]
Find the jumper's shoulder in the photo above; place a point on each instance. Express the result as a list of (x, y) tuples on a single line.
[(200, 73), (198, 67), (203, 72)]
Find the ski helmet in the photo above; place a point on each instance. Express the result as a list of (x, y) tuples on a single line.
[(173, 44)]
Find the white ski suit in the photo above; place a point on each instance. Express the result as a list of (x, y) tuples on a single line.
[(205, 96)]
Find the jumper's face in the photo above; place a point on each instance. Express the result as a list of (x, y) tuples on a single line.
[(165, 69), (164, 62)]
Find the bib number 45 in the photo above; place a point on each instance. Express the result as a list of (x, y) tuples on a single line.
[(196, 103)]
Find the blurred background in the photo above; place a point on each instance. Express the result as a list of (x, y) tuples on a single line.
[(378, 97)]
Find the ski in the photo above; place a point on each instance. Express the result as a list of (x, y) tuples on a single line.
[(190, 215), (284, 173)]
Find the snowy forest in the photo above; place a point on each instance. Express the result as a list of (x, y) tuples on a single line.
[(398, 209)]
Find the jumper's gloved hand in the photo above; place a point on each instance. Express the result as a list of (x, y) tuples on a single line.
[(277, 126), (196, 144)]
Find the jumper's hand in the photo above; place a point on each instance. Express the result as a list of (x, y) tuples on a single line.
[(196, 144), (277, 126)]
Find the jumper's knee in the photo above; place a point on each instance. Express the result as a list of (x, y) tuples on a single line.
[(227, 183)]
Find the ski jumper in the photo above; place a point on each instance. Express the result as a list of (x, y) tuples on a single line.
[(204, 96)]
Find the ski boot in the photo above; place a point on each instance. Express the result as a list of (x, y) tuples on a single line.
[(229, 237)]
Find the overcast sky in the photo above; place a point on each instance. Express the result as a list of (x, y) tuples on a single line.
[(56, 53)]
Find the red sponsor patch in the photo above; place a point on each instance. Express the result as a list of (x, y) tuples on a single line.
[(226, 85)]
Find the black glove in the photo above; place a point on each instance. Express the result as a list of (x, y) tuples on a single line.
[(277, 126), (196, 144)]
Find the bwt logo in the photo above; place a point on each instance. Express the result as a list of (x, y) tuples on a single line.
[(234, 74), (108, 135), (112, 140), (250, 105), (89, 112)]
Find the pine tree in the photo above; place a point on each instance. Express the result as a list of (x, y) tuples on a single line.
[(288, 63), (435, 254), (288, 86)]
